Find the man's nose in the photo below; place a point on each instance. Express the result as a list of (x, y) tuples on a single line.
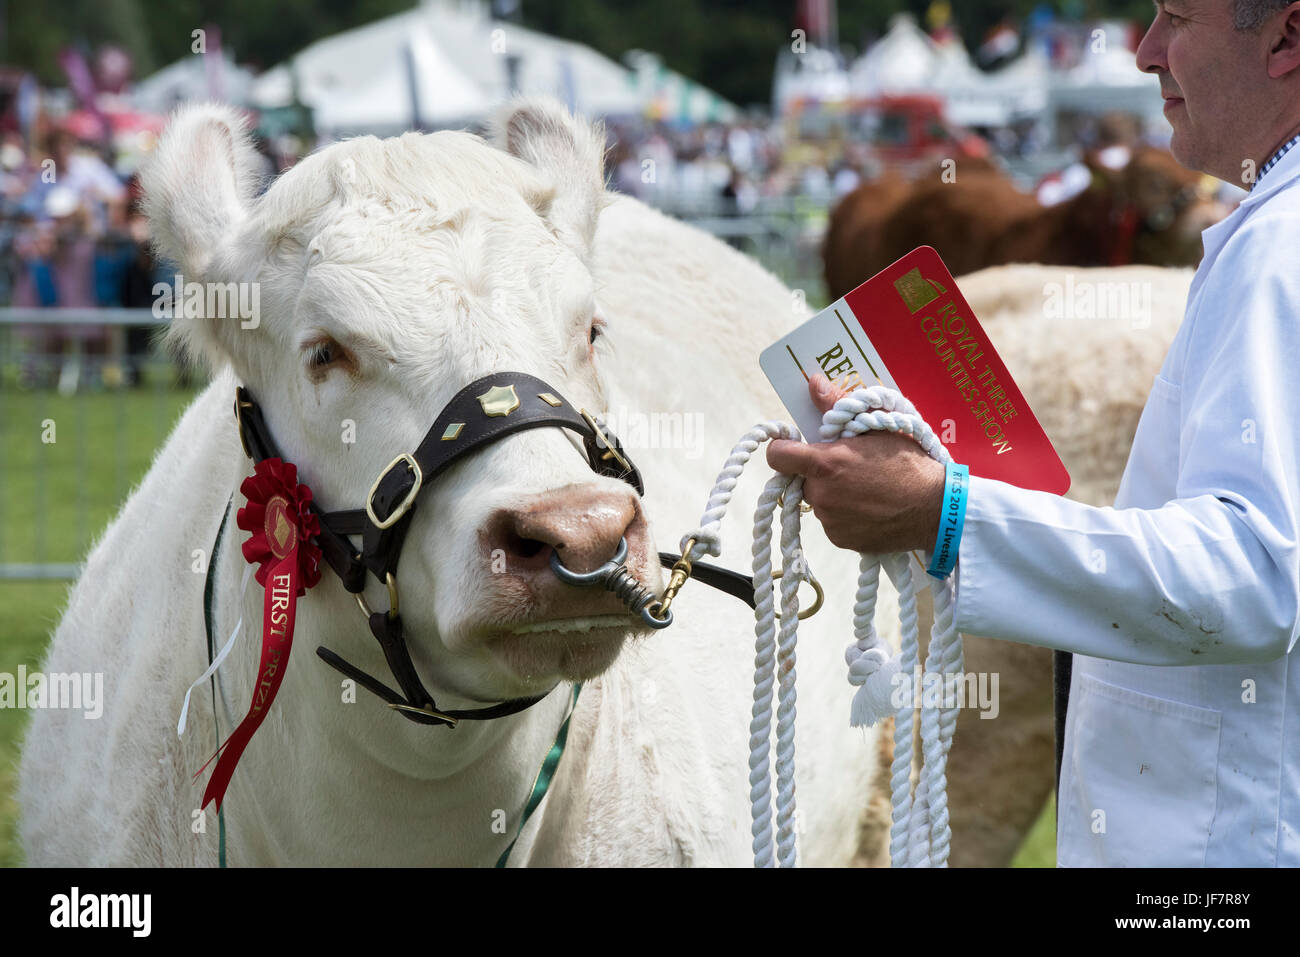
[(1151, 51)]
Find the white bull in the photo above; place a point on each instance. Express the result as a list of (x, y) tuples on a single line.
[(391, 274)]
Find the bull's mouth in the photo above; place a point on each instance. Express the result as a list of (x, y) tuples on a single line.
[(575, 648), (586, 623)]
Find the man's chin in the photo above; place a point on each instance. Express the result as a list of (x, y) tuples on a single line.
[(1183, 151), (1176, 147)]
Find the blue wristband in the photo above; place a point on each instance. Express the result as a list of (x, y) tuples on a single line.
[(951, 519)]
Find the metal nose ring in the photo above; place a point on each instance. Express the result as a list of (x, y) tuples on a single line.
[(596, 577), (614, 575)]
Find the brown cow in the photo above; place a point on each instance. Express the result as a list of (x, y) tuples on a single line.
[(1151, 211)]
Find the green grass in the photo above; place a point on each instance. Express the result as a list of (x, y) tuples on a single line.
[(103, 444), (1039, 849)]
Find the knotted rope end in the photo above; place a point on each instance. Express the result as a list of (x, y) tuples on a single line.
[(874, 701)]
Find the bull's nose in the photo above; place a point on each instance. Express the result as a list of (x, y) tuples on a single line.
[(583, 524)]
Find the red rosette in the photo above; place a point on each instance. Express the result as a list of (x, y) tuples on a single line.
[(279, 515), (282, 523)]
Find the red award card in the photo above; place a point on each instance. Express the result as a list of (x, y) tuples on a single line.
[(909, 328)]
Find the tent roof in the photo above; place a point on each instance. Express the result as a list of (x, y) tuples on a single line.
[(903, 59), (356, 81), (187, 79), (668, 95), (382, 102)]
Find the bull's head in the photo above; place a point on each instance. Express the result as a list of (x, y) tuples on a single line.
[(390, 273), (1170, 204)]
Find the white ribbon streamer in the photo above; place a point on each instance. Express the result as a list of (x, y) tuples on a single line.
[(216, 662)]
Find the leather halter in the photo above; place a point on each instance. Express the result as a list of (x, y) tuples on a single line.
[(487, 409), (1129, 222)]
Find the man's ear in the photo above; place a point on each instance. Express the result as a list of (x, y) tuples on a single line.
[(198, 185), (1284, 50), (568, 151)]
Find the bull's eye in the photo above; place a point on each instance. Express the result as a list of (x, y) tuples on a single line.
[(324, 354), (595, 332)]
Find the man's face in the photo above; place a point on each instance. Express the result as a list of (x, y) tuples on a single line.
[(1209, 74)]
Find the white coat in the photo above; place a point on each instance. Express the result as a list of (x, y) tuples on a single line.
[(1181, 603)]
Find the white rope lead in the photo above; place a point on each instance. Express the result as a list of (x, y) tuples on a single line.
[(920, 834)]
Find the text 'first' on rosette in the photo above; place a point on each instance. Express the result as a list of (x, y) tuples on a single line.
[(283, 525)]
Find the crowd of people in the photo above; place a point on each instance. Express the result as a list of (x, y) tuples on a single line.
[(726, 168), (73, 234), (68, 219)]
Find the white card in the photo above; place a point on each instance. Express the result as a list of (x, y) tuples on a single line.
[(832, 343)]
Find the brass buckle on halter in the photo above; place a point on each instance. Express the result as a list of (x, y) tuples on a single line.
[(405, 505), (429, 711), (392, 599), (611, 451)]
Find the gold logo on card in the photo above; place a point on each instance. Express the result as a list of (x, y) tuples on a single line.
[(917, 291)]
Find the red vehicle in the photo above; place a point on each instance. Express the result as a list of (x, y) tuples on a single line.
[(893, 130), (904, 129)]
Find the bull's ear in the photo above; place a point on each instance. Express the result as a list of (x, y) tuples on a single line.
[(198, 185), (570, 152)]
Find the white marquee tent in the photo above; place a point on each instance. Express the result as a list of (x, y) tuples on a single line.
[(195, 77), (360, 81), (904, 60), (667, 95), (1108, 78), (907, 60)]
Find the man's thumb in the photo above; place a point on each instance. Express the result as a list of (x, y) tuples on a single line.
[(824, 395), (790, 457)]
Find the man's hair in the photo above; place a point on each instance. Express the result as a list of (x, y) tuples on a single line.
[(1249, 15)]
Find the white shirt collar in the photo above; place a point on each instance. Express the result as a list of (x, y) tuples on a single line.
[(1279, 177), (1286, 169)]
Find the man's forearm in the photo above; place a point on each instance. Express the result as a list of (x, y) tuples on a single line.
[(1193, 582)]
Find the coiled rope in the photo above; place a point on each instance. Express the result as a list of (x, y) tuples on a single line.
[(920, 833)]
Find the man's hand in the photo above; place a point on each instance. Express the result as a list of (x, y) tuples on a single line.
[(875, 493)]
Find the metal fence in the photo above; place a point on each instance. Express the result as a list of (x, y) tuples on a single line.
[(86, 398), (784, 233)]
